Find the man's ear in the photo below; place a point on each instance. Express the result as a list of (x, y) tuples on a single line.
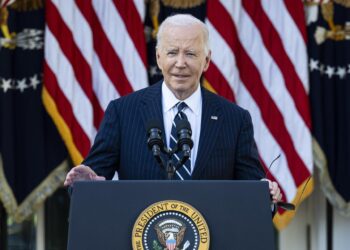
[(207, 61)]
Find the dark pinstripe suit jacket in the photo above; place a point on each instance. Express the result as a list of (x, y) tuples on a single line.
[(226, 145)]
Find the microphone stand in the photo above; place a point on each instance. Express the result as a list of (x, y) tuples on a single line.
[(170, 167)]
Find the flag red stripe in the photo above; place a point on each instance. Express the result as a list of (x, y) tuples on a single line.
[(298, 17), (219, 83), (251, 78), (5, 3), (274, 45), (134, 25), (80, 67), (105, 51), (64, 107)]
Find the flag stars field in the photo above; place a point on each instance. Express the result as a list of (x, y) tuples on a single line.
[(341, 72), (34, 82), (6, 85), (313, 65), (331, 71), (20, 84)]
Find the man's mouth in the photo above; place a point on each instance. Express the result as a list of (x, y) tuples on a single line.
[(181, 75)]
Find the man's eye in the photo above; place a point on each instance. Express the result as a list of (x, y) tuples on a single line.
[(171, 53), (190, 54)]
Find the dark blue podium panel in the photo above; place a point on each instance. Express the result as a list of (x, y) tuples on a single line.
[(238, 213)]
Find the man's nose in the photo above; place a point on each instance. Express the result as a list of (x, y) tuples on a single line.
[(180, 61)]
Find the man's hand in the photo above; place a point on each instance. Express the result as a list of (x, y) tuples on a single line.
[(81, 173), (275, 191)]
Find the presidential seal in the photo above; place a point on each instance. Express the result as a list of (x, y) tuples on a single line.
[(170, 225)]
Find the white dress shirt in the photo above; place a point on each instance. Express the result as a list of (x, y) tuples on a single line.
[(193, 113)]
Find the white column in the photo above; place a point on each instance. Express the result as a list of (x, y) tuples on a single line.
[(341, 232), (40, 228), (318, 213)]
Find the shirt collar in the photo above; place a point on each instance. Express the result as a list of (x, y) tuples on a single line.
[(170, 100)]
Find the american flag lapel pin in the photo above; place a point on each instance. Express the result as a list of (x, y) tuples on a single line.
[(214, 117)]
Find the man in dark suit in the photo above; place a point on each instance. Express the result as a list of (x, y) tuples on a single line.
[(223, 139)]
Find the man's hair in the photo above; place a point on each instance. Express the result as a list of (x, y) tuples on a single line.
[(184, 20)]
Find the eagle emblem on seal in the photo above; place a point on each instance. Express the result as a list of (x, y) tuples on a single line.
[(170, 233)]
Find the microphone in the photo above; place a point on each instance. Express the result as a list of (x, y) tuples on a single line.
[(155, 142), (184, 142), (184, 133), (286, 205)]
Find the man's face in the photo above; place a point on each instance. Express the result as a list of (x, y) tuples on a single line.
[(182, 59)]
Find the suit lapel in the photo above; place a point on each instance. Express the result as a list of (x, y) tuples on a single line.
[(151, 105), (212, 120)]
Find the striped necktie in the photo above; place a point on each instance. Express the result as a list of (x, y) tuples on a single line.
[(184, 172)]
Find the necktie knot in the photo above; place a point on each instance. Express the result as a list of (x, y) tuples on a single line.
[(181, 106), (180, 111)]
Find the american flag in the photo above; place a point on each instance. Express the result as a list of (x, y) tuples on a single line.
[(95, 51), (259, 61)]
